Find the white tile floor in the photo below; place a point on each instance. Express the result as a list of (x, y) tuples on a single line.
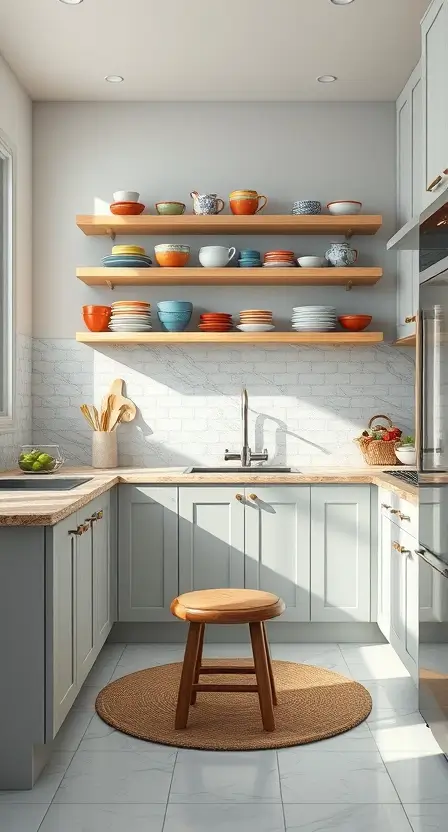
[(387, 775)]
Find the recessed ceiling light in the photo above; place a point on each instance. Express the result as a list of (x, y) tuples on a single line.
[(341, 2), (71, 2), (327, 79), (114, 79)]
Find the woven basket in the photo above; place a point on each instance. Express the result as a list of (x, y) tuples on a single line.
[(377, 451)]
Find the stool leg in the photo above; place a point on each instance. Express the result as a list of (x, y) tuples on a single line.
[(271, 672), (262, 672), (198, 662), (187, 677)]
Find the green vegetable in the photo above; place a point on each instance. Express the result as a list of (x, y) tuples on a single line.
[(407, 440)]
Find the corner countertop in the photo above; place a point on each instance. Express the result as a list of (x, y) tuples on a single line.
[(45, 508)]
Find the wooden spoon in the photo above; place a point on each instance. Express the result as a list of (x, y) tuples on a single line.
[(116, 391)]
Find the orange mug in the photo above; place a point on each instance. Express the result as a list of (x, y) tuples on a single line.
[(246, 202)]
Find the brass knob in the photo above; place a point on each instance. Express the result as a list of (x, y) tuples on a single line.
[(384, 505), (239, 497), (394, 511), (434, 183), (401, 549), (411, 319), (253, 497), (404, 517)]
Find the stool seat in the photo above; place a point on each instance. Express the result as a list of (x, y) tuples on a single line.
[(227, 606)]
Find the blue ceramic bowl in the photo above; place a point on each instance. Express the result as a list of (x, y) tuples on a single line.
[(173, 324), (249, 252), (175, 306), (307, 206), (174, 316)]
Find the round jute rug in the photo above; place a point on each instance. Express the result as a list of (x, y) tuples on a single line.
[(313, 704)]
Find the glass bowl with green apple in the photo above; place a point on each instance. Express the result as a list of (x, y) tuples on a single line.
[(40, 459)]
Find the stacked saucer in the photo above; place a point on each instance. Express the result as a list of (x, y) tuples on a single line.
[(314, 318), (280, 259), (215, 322), (132, 257), (130, 316), (249, 258), (255, 320)]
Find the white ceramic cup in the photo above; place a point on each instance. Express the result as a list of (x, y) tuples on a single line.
[(126, 196), (215, 257)]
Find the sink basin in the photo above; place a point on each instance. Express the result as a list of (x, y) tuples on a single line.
[(265, 469), (42, 484)]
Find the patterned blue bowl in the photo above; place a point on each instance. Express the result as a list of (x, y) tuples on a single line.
[(307, 206), (175, 306), (173, 323)]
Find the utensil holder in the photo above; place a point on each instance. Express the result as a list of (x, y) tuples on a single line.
[(104, 449)]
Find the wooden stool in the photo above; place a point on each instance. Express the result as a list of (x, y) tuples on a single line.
[(227, 606)]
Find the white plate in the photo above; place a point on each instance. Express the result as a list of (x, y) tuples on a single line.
[(255, 327), (314, 309), (314, 328), (136, 328), (125, 319), (279, 264)]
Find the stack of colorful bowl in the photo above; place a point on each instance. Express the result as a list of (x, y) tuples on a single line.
[(126, 204), (249, 258), (127, 257), (279, 259), (255, 320), (314, 318), (215, 322), (130, 316), (174, 315)]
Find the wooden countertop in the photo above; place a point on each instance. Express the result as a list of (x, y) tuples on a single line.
[(45, 508)]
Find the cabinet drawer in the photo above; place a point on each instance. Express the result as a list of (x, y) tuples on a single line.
[(400, 512)]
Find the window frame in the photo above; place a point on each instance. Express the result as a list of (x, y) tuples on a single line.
[(7, 413)]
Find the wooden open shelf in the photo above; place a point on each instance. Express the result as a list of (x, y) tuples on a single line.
[(227, 338), (110, 225), (407, 341), (198, 276)]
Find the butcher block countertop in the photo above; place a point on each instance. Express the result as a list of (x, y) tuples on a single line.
[(45, 508)]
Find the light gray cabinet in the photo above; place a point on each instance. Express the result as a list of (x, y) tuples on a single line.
[(85, 604), (340, 553), (147, 552), (277, 545), (64, 658), (435, 100), (211, 537)]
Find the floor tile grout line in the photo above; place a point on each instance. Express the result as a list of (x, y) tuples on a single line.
[(280, 787), (390, 778), (169, 791)]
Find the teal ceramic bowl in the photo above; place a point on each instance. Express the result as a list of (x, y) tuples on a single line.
[(170, 208), (174, 321), (175, 306)]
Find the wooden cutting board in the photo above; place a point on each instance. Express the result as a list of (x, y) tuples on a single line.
[(116, 390)]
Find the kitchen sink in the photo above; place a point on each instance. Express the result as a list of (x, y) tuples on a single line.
[(42, 484), (261, 469)]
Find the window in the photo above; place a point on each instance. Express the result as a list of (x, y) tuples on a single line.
[(6, 285)]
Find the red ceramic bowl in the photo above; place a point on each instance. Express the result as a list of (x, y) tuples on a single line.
[(97, 321), (96, 310), (127, 209), (355, 323)]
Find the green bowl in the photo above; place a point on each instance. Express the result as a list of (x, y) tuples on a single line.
[(170, 208)]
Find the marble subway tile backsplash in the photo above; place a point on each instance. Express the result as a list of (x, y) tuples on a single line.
[(306, 403), (11, 441)]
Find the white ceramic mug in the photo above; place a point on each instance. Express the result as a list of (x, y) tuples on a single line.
[(215, 257)]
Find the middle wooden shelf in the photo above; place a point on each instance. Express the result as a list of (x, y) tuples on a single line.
[(198, 276)]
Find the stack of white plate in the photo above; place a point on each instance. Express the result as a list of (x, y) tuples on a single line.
[(314, 318), (130, 316)]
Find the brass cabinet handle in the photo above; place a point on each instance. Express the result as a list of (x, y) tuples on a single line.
[(411, 319), (404, 516), (253, 497), (97, 515), (401, 549), (394, 511), (434, 183), (239, 497), (84, 527), (384, 505), (75, 531)]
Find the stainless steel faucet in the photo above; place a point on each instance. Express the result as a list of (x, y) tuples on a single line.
[(246, 456)]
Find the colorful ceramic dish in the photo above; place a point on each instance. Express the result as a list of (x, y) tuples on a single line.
[(127, 209), (170, 208), (96, 318), (344, 207), (355, 323)]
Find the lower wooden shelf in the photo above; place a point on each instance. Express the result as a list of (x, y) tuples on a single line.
[(407, 341), (148, 338)]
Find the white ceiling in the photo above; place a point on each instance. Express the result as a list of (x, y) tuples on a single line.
[(212, 50)]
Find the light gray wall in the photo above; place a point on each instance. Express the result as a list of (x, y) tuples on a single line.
[(307, 403)]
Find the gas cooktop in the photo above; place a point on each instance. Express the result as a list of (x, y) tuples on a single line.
[(410, 477)]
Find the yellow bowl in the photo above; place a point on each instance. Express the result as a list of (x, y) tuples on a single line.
[(128, 250)]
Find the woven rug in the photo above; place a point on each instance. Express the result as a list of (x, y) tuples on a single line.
[(313, 704)]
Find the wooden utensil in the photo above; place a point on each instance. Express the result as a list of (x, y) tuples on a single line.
[(106, 410), (116, 390), (85, 410), (117, 417)]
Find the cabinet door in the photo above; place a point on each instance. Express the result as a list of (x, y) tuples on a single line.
[(100, 518), (384, 563), (435, 97), (340, 553), (404, 594), (277, 545), (211, 537), (85, 602), (416, 95), (148, 552), (405, 292), (64, 619), (404, 157)]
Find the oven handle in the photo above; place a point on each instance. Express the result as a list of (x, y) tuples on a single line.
[(432, 560)]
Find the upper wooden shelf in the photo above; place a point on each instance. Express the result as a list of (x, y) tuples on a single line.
[(198, 276), (96, 225), (197, 337)]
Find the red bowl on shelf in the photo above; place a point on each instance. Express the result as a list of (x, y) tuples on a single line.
[(96, 318), (127, 209), (355, 323)]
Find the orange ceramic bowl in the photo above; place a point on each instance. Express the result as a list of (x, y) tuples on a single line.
[(355, 323), (172, 259), (96, 310), (96, 321), (127, 209)]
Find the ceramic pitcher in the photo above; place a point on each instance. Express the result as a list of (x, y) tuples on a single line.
[(206, 203), (341, 254)]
